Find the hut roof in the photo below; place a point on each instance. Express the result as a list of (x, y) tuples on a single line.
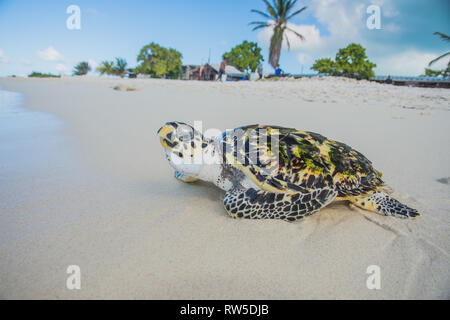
[(228, 69)]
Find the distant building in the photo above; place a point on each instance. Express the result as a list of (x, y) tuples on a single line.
[(131, 74), (190, 72), (210, 72), (232, 73)]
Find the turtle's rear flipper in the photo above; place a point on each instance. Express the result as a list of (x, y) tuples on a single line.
[(383, 204), (185, 178), (253, 204)]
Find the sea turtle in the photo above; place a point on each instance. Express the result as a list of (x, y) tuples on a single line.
[(271, 172)]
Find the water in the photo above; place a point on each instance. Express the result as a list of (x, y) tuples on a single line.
[(29, 144), (37, 164)]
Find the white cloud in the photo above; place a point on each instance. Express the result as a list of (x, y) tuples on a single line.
[(344, 19), (308, 48), (50, 54), (305, 59), (387, 8), (345, 22), (3, 57), (310, 32), (408, 63), (62, 68)]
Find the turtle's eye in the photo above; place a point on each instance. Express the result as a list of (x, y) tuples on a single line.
[(185, 134)]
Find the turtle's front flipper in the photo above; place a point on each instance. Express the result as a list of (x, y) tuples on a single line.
[(253, 204), (383, 204), (184, 178)]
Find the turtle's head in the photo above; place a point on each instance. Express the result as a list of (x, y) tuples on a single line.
[(183, 145)]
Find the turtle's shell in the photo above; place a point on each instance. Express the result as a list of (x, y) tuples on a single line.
[(301, 161)]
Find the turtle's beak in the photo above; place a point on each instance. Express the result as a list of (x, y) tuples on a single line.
[(165, 137)]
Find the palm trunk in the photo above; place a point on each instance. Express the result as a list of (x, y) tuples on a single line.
[(275, 47)]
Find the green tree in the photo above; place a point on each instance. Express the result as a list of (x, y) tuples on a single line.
[(245, 56), (350, 62), (120, 68), (81, 69), (279, 12), (433, 73), (159, 62), (35, 74), (106, 67), (325, 65)]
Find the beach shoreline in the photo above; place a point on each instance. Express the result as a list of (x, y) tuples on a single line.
[(136, 232)]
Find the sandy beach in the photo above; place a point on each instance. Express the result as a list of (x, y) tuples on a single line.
[(106, 199)]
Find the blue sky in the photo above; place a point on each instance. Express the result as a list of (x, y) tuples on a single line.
[(34, 36)]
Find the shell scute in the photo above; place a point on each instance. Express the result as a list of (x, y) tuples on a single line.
[(286, 160)]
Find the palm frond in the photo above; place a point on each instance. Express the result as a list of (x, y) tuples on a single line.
[(293, 3), (288, 43), (271, 9), (261, 26), (442, 35), (295, 13), (257, 22), (439, 58), (280, 4), (296, 33), (288, 7), (282, 7), (261, 13)]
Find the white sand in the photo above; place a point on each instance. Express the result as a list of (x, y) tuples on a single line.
[(136, 232)]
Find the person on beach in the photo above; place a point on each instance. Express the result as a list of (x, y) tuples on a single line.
[(223, 65), (278, 71), (200, 72), (388, 80), (260, 71)]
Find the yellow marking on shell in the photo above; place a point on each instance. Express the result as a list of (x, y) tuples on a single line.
[(296, 151), (324, 149), (343, 177), (305, 173)]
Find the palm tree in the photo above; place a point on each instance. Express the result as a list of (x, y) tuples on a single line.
[(445, 38), (106, 67), (278, 13), (120, 68), (81, 69)]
